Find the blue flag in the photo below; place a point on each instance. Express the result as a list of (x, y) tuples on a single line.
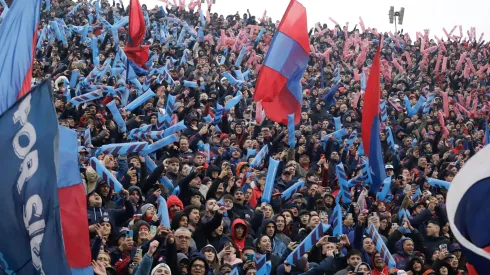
[(262, 265), (259, 157), (291, 132), (307, 243), (288, 193), (163, 212), (31, 239), (384, 189), (438, 183), (269, 182), (381, 247), (336, 223), (343, 182)]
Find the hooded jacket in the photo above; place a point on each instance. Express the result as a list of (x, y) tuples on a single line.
[(106, 200), (174, 201), (174, 225), (277, 246), (215, 263), (198, 256), (139, 203), (401, 258), (245, 240), (412, 262), (118, 216), (204, 230)]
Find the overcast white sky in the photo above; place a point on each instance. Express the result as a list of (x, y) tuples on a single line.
[(419, 14)]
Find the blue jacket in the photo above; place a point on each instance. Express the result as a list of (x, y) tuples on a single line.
[(401, 258)]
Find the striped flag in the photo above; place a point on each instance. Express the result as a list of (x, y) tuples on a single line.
[(336, 221), (307, 243), (259, 157), (169, 110), (218, 114), (160, 119), (384, 113), (139, 131), (343, 182), (366, 171), (106, 175), (384, 189), (389, 138), (288, 193), (86, 97), (381, 247), (123, 148), (262, 266), (350, 140)]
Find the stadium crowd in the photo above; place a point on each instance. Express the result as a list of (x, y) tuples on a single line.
[(435, 99)]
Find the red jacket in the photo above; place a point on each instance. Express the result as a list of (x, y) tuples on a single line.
[(385, 271)]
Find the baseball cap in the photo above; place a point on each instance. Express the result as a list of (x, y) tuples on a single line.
[(389, 166)]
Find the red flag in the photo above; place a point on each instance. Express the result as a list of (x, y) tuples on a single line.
[(137, 28), (139, 55)]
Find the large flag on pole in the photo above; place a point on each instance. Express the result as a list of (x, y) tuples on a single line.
[(73, 205), (18, 35), (31, 241), (137, 27), (370, 125), (467, 211), (279, 81), (136, 33)]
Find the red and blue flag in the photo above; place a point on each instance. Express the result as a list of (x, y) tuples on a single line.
[(136, 54), (18, 35), (370, 126), (279, 82), (73, 205), (467, 211)]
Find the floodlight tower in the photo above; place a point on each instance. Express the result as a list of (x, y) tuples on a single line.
[(392, 14)]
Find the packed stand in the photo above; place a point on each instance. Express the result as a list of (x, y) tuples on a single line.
[(435, 104)]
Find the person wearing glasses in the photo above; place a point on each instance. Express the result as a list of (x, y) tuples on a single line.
[(183, 241), (198, 265)]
